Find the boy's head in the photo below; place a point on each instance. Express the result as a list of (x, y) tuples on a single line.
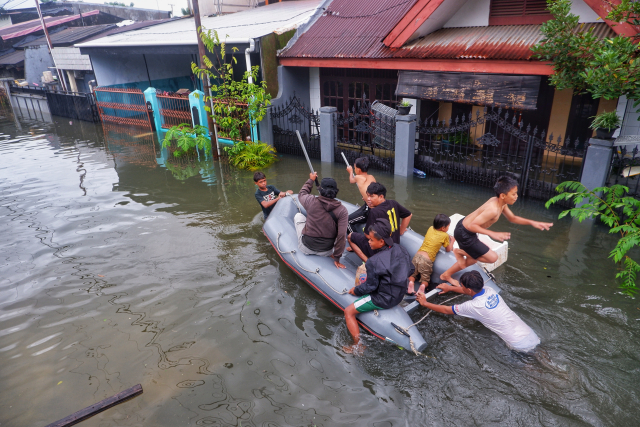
[(328, 188), (361, 163), (441, 222), (376, 193), (506, 189), (260, 179), (472, 280), (380, 234)]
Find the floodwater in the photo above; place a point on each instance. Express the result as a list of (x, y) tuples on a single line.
[(116, 270)]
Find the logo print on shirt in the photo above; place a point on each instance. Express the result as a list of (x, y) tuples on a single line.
[(269, 197), (492, 302)]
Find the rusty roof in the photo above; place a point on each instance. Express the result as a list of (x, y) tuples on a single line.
[(510, 42), (349, 29)]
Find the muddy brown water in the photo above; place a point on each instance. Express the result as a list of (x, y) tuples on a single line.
[(117, 270)]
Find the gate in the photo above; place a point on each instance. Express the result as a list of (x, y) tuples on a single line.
[(122, 106), (625, 167), (367, 130), (79, 106), (291, 117), (494, 143), (174, 110)]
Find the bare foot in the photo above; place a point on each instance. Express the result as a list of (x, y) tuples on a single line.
[(349, 249), (422, 287), (411, 289), (357, 349), (453, 282)]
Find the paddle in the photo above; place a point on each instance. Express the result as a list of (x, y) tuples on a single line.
[(304, 150)]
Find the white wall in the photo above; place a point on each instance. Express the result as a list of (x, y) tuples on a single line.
[(474, 13), (586, 14), (122, 68), (439, 17), (630, 123), (314, 88)]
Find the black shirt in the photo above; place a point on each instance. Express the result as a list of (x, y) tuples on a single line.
[(392, 211), (265, 196)]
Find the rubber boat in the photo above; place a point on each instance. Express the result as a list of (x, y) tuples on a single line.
[(392, 325)]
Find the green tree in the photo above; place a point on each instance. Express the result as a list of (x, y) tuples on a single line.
[(607, 68)]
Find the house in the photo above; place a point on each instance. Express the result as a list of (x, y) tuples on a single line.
[(161, 56), (450, 57)]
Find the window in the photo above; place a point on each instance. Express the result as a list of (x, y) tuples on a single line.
[(518, 12)]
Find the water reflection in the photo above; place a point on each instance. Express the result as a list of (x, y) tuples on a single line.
[(116, 269)]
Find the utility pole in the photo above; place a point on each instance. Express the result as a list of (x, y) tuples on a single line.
[(171, 9), (205, 81), (46, 35)]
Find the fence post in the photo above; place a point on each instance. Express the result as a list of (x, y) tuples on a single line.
[(150, 96), (196, 99), (405, 144), (265, 127), (328, 133), (597, 163)]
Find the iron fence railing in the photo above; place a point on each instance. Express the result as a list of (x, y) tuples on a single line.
[(174, 110), (291, 117), (122, 106)]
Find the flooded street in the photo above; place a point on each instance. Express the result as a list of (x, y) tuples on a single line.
[(116, 269)]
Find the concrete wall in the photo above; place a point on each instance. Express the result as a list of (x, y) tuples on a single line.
[(560, 110), (315, 91), (37, 59), (165, 72), (474, 13), (630, 123)]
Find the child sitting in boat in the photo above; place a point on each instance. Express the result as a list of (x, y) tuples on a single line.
[(362, 178), (387, 272), (267, 195), (472, 249), (380, 208), (488, 308), (423, 260)]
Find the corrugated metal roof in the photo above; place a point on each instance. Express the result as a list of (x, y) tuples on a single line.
[(238, 27), (349, 29), (511, 42), (69, 36), (130, 27), (13, 58), (26, 28)]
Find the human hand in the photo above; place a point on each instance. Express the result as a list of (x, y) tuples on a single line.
[(338, 265), (289, 192), (350, 169), (501, 237), (313, 176), (445, 288), (281, 195), (352, 291), (452, 239), (542, 225), (421, 298)]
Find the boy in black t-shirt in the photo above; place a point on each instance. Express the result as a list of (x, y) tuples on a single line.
[(267, 195), (397, 215)]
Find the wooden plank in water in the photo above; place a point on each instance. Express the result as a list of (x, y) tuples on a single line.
[(96, 408)]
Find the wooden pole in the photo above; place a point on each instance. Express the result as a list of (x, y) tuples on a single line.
[(46, 35), (96, 408), (205, 81)]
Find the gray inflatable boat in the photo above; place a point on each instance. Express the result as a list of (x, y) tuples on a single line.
[(333, 283)]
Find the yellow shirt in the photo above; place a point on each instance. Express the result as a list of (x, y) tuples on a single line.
[(432, 242)]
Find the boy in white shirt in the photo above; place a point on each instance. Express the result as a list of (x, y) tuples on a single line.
[(488, 308)]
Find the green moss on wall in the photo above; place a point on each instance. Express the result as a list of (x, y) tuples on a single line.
[(269, 45)]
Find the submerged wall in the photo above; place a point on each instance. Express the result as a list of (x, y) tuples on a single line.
[(168, 72), (37, 59)]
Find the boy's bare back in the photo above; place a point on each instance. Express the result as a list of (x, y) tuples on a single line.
[(363, 181)]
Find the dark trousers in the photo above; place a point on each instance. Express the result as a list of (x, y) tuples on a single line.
[(358, 219)]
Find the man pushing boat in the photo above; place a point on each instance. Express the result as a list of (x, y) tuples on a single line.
[(386, 283)]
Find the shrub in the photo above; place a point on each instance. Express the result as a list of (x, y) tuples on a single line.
[(251, 155), (187, 139)]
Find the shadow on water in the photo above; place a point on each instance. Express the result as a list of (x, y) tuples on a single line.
[(120, 265)]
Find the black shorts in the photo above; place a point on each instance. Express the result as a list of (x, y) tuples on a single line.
[(357, 219), (469, 241), (361, 241)]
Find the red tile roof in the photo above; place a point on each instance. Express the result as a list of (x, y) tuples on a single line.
[(350, 29)]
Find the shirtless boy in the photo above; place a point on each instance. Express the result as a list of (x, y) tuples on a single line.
[(472, 249), (362, 179)]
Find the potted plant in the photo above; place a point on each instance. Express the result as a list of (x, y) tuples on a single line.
[(605, 124), (404, 107)]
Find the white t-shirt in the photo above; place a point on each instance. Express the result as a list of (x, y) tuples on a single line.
[(487, 307)]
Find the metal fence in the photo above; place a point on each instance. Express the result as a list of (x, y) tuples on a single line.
[(174, 110), (625, 168), (129, 146), (291, 117), (367, 130), (493, 143), (122, 106), (74, 105)]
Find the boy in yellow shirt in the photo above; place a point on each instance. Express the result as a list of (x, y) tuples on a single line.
[(425, 257)]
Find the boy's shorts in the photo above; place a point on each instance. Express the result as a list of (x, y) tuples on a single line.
[(423, 268), (469, 242), (364, 304), (362, 242)]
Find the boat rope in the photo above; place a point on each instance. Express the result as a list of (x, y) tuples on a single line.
[(316, 271), (294, 201)]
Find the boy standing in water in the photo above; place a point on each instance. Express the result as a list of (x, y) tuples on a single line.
[(362, 179), (423, 260), (487, 307), (387, 272), (267, 195), (472, 249)]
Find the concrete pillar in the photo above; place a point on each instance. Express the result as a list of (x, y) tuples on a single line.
[(150, 96), (196, 99), (597, 162), (266, 128), (73, 87), (328, 133), (405, 144)]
